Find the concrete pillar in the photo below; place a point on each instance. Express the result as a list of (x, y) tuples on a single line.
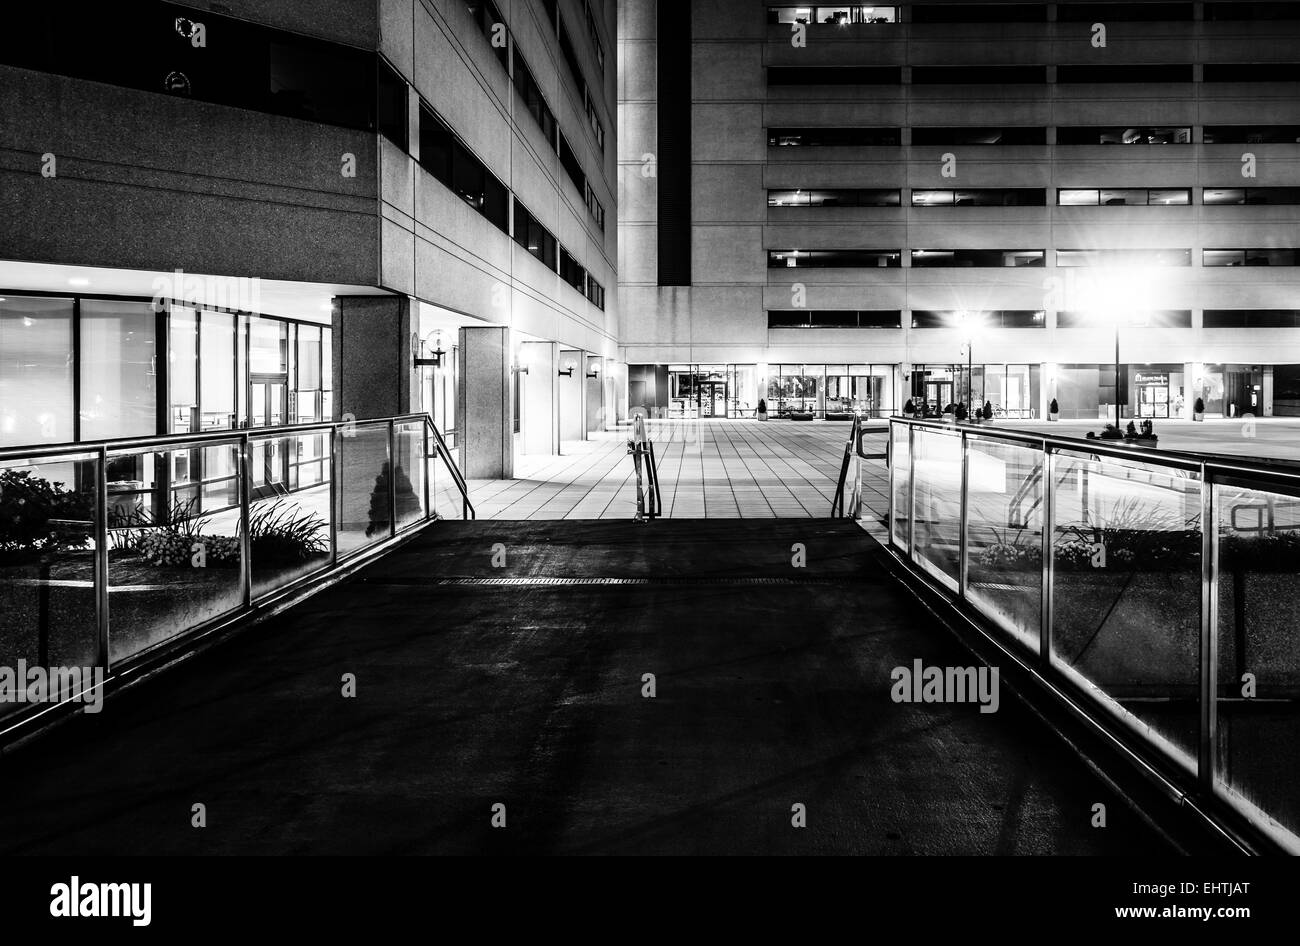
[(484, 417), (572, 390), (594, 394), (374, 358), (539, 421)]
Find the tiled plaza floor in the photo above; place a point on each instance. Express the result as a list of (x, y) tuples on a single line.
[(708, 469)]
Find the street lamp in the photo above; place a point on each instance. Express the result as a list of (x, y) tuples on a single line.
[(970, 322), (1115, 296)]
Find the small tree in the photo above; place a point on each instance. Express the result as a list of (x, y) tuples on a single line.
[(1054, 408), (960, 412), (909, 407), (762, 406), (1199, 406), (988, 410)]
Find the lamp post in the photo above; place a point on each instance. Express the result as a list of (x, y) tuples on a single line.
[(967, 321)]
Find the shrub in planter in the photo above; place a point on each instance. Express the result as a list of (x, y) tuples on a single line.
[(27, 505), (988, 410), (282, 534), (1198, 410), (1111, 432), (762, 409), (909, 408), (960, 412), (1053, 410)]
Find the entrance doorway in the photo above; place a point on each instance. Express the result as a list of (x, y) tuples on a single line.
[(268, 404), (712, 398), (938, 394)]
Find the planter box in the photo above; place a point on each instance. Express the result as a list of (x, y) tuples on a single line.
[(797, 415), (840, 415)]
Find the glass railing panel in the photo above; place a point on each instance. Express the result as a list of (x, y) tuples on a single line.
[(290, 514), (937, 498), (1257, 693), (443, 492), (364, 514), (47, 571), (410, 474), (899, 479), (1126, 593), (174, 550), (1004, 535)]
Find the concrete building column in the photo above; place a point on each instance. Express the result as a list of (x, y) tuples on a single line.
[(484, 417), (572, 393), (539, 417), (374, 358)]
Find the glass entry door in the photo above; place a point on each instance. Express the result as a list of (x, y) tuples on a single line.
[(268, 404), (938, 394), (713, 398)]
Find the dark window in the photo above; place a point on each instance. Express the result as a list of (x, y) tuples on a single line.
[(493, 26), (534, 237), (571, 271), (1124, 135), (1167, 318), (841, 14), (979, 136), (1251, 134), (393, 112), (980, 197), (922, 259), (593, 32), (436, 145), (570, 57), (834, 318), (596, 207), (1180, 72), (997, 318), (834, 75), (1263, 256), (1244, 10), (531, 93), (1122, 12), (445, 156), (1252, 72), (833, 259), (1251, 318), (1250, 195), (979, 12), (978, 75), (595, 293), (833, 137), (833, 197), (572, 167)]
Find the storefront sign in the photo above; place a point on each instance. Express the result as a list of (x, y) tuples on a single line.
[(1151, 379)]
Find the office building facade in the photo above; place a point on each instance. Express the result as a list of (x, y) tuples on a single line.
[(251, 214), (961, 202)]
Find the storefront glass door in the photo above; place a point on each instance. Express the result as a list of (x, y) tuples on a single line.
[(267, 405)]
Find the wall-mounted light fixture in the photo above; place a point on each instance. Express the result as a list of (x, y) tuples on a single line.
[(567, 370), (433, 359), (595, 370), (519, 369)]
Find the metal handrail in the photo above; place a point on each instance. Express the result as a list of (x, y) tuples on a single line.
[(1199, 782), (468, 508)]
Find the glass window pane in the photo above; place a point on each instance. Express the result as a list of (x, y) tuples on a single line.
[(35, 371), (118, 378), (937, 511), (182, 369), (217, 370), (1077, 198), (268, 346)]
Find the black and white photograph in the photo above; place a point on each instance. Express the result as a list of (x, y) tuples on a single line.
[(496, 429)]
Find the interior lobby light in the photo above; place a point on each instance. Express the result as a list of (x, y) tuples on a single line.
[(78, 281)]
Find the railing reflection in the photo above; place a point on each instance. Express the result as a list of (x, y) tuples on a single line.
[(1164, 589)]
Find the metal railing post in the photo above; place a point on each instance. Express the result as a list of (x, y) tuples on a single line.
[(1209, 651), (963, 527), (424, 463), (336, 462), (1047, 598), (102, 657), (392, 478), (245, 504), (911, 491)]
